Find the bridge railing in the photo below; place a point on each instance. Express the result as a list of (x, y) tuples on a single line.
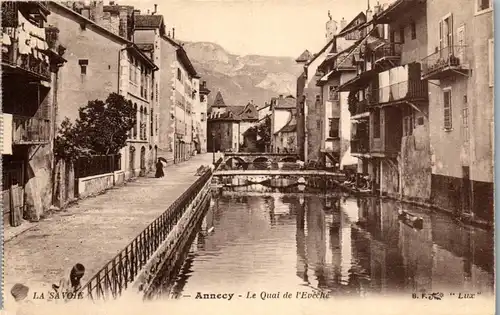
[(120, 271), (288, 166)]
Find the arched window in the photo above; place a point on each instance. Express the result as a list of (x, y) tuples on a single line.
[(145, 123), (141, 124), (151, 124), (134, 130)]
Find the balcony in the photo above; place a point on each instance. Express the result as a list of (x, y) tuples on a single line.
[(388, 55), (30, 130), (398, 85), (360, 146), (360, 109), (444, 63)]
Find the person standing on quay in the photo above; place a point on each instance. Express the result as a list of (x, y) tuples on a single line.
[(159, 169)]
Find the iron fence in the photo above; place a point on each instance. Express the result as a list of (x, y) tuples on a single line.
[(118, 273), (96, 165)]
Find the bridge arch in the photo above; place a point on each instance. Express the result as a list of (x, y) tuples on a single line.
[(261, 159), (289, 159), (235, 162)]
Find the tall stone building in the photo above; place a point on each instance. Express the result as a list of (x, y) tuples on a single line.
[(31, 59)]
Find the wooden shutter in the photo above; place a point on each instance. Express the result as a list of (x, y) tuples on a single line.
[(447, 109), (441, 35)]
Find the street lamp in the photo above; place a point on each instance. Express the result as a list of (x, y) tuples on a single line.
[(213, 147)]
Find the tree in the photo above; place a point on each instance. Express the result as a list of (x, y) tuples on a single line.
[(263, 131), (101, 128)]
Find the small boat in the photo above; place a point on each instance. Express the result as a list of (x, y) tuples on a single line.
[(411, 219)]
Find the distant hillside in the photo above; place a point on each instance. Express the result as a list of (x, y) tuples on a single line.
[(243, 78)]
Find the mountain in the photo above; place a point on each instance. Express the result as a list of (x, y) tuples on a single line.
[(243, 78)]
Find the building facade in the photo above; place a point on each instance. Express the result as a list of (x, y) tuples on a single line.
[(123, 68), (177, 85), (31, 59), (223, 127), (283, 124), (458, 63), (422, 126), (136, 84), (201, 118)]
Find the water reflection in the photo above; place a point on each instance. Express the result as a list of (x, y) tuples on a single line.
[(347, 247)]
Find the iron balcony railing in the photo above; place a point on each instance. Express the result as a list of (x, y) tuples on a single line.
[(118, 273), (451, 57), (30, 130), (406, 90), (388, 51), (360, 145)]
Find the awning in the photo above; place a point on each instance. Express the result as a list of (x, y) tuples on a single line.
[(358, 82)]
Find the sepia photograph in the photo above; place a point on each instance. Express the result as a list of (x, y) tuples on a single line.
[(248, 156)]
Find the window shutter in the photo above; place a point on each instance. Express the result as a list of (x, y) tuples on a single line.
[(447, 110), (440, 35)]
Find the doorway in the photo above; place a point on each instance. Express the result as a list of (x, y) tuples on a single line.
[(13, 193)]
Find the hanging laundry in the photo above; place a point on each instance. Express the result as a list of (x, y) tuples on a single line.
[(6, 39)]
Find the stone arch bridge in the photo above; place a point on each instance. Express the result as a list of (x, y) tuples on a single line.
[(259, 157)]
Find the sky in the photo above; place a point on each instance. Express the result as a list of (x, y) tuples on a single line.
[(261, 27)]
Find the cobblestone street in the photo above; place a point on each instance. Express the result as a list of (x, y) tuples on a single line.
[(94, 230)]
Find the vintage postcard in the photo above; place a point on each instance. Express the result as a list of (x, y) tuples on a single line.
[(248, 156)]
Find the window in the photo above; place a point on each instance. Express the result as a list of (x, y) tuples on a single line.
[(131, 69), (318, 124), (179, 74), (334, 128), (376, 123), (446, 32), (465, 122), (413, 30), (483, 5), (151, 124), (408, 121), (491, 62), (333, 95), (447, 109), (402, 35), (83, 66)]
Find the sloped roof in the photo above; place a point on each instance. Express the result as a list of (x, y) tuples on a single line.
[(304, 57), (283, 103), (219, 100), (249, 112), (351, 26), (148, 21)]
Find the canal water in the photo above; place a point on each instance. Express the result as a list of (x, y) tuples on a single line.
[(342, 246)]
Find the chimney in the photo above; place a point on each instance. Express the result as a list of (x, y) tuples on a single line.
[(204, 83), (377, 8), (97, 11), (173, 32), (343, 23), (148, 12), (281, 96), (156, 8)]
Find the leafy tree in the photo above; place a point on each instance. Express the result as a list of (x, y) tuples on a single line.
[(101, 128), (263, 133)]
